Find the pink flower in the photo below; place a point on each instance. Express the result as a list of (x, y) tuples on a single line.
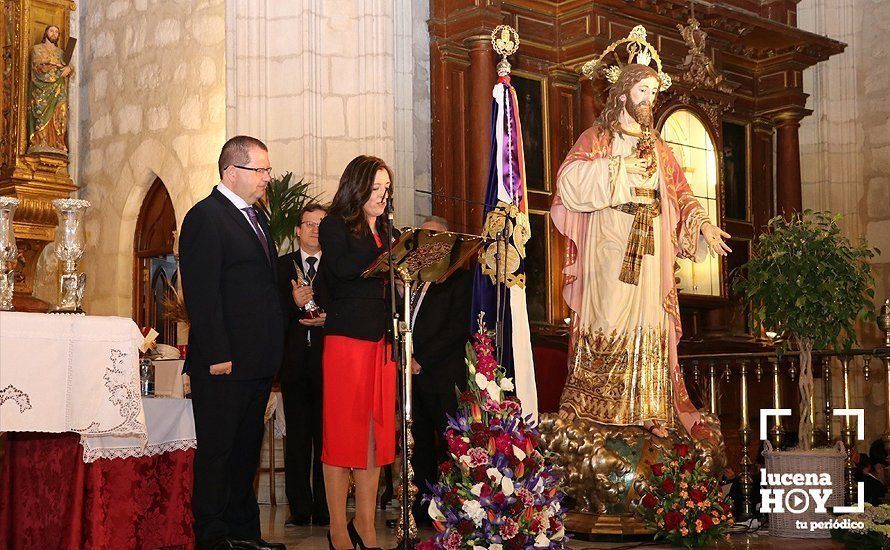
[(453, 540), (478, 456), (526, 497), (509, 529)]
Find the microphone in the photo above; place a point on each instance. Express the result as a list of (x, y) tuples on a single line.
[(389, 207)]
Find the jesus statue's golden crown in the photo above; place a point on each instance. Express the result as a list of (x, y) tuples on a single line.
[(639, 50)]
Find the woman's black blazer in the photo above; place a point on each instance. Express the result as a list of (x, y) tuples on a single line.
[(357, 307)]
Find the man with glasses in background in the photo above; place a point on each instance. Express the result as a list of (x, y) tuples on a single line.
[(300, 375), (236, 338)]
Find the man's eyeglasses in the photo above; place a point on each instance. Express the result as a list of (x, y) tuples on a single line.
[(310, 225), (257, 170)]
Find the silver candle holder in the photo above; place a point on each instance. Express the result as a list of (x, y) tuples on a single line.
[(70, 243), (8, 252)]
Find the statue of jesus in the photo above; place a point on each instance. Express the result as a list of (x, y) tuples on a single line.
[(623, 203)]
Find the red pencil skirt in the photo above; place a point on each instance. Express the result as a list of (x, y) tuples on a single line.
[(359, 379)]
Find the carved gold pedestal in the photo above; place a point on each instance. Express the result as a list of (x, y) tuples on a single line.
[(606, 469), (38, 178)]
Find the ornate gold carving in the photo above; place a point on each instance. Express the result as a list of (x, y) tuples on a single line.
[(606, 468), (35, 179), (699, 72)]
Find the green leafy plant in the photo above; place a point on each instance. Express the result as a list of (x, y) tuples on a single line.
[(282, 205), (809, 284)]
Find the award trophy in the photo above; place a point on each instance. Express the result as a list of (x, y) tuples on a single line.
[(311, 308), (69, 249), (8, 252)]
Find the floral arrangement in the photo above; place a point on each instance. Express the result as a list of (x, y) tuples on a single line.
[(497, 491), (870, 529), (684, 505)]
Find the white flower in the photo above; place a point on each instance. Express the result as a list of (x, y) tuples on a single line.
[(506, 384), (554, 508), (539, 486), (541, 541), (494, 474), (478, 547), (493, 390), (474, 510), (560, 534), (434, 511), (507, 486), (464, 459), (495, 547), (518, 453), (480, 380), (470, 366), (477, 489)]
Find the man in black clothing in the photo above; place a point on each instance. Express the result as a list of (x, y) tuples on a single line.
[(874, 473), (440, 333), (300, 376), (236, 337)]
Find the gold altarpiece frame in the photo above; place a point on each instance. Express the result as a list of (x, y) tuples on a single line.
[(34, 178)]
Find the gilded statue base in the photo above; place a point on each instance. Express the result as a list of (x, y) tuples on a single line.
[(606, 469)]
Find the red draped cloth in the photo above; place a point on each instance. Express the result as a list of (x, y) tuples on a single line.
[(50, 499)]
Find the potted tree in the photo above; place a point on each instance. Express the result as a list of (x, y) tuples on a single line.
[(808, 284), (282, 205)]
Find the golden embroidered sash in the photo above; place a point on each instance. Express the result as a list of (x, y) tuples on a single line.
[(642, 234)]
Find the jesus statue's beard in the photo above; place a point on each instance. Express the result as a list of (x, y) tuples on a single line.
[(641, 112)]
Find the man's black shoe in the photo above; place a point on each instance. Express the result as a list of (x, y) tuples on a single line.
[(298, 520), (258, 544), (220, 544)]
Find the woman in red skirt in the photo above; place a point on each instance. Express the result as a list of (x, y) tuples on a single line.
[(359, 377)]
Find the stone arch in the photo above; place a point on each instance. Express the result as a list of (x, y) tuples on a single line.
[(150, 160)]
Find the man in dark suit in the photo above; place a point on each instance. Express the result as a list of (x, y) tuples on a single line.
[(236, 336), (300, 375), (440, 333)]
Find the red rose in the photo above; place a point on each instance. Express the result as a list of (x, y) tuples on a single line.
[(706, 522), (499, 498), (427, 545), (658, 469), (696, 495), (726, 508), (649, 500), (465, 527), (682, 449), (688, 466), (672, 519), (668, 486), (479, 474), (445, 468)]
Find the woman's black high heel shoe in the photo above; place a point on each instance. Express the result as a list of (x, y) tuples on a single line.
[(331, 543), (357, 539)]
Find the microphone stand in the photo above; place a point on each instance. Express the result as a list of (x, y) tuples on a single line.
[(406, 527), (393, 307)]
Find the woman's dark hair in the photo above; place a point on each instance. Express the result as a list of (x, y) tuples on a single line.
[(355, 190)]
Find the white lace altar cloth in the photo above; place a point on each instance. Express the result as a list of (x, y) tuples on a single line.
[(171, 427), (70, 373)]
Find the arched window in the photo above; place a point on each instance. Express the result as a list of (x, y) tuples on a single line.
[(694, 149), (154, 267)]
